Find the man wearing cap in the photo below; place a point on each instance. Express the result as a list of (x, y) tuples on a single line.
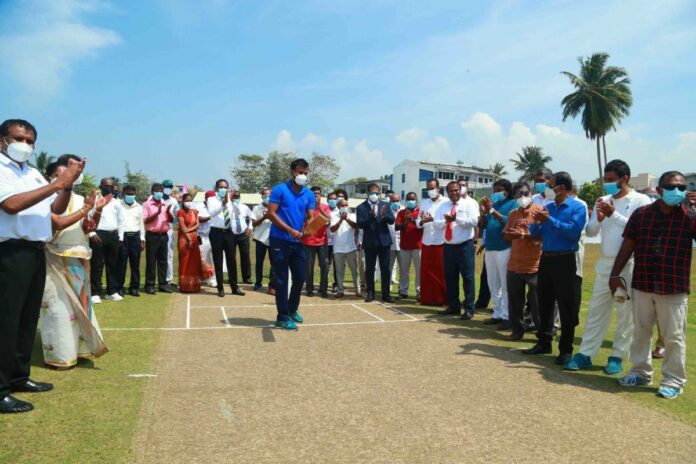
[(169, 200)]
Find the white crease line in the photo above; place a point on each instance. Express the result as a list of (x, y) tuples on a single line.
[(224, 316), (311, 305), (400, 312), (188, 312), (367, 312), (138, 376)]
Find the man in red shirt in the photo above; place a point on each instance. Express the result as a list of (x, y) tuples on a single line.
[(317, 244), (410, 242)]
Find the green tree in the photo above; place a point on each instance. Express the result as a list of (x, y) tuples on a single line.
[(323, 171), (530, 161), (498, 170), (278, 167), (41, 161), (589, 192), (602, 95), (141, 181), (88, 184), (250, 173)]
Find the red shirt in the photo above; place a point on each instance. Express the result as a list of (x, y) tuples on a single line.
[(319, 237), (411, 236)]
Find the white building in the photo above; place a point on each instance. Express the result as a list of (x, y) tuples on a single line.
[(691, 181), (358, 190), (643, 181), (411, 176)]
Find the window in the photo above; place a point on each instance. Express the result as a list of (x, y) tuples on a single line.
[(692, 186), (402, 195), (480, 180), (445, 175), (424, 194), (403, 178), (424, 175)]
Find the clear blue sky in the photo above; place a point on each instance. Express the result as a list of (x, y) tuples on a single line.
[(179, 88)]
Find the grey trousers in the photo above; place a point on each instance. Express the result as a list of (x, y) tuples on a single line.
[(406, 257), (340, 261)]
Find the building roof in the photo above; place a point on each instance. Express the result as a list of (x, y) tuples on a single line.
[(450, 165)]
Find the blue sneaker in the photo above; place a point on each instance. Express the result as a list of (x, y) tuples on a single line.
[(669, 392), (296, 317), (633, 380), (285, 325), (579, 361), (614, 366)]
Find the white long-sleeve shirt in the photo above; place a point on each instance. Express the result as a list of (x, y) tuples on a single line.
[(111, 215), (238, 215), (467, 213), (431, 234), (132, 219)]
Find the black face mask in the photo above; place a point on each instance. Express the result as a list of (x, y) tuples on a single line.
[(107, 190), (117, 194)]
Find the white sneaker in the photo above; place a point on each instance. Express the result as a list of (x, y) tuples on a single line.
[(114, 297), (96, 299)]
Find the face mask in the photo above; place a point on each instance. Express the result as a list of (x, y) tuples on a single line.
[(265, 200), (188, 205), (301, 179), (462, 189), (106, 191), (395, 206), (157, 195), (19, 151), (611, 188), (433, 193), (374, 197), (167, 191), (79, 180), (540, 187), (342, 210), (222, 192), (129, 199), (237, 201), (410, 204), (550, 193), (117, 194), (332, 203), (673, 197), (523, 202), (497, 196)]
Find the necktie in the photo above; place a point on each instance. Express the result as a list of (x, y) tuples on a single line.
[(450, 225), (374, 209), (237, 225), (226, 215)]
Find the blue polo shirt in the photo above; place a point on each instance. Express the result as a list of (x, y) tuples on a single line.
[(292, 208), (561, 232), (494, 228)]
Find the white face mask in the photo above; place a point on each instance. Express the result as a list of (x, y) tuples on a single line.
[(301, 179), (342, 210), (433, 193), (462, 189), (19, 151), (523, 202), (188, 204), (550, 193), (167, 191), (374, 197), (79, 180)]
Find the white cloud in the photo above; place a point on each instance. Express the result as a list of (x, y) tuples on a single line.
[(41, 59), (483, 126), (360, 160), (284, 142), (410, 137), (437, 149), (313, 142)]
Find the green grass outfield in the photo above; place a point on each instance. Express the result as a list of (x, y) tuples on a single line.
[(92, 413)]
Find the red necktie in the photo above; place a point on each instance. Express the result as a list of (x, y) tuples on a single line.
[(450, 225)]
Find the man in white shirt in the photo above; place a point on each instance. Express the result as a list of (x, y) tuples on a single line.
[(105, 246), (332, 201), (456, 220), (432, 261), (395, 205), (204, 234), (541, 179), (26, 204), (262, 229), (222, 236), (169, 200), (609, 218), (242, 226), (344, 231), (131, 236)]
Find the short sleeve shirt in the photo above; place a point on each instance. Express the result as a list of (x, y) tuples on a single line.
[(292, 208)]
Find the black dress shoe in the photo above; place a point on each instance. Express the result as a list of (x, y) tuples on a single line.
[(324, 294), (387, 299), (467, 316), (514, 336), (369, 297), (173, 285), (121, 292), (563, 359), (10, 405), (504, 325), (165, 289), (134, 292), (221, 293), (150, 291), (492, 321), (32, 387), (402, 296), (248, 281), (310, 294), (237, 291), (538, 349), (450, 312)]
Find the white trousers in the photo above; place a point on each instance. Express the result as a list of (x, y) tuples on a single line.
[(496, 271), (600, 310), (170, 255), (406, 257), (669, 311)]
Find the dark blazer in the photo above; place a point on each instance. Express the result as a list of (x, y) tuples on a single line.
[(375, 229)]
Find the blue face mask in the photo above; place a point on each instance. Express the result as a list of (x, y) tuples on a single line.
[(540, 187), (410, 204), (497, 196), (157, 195), (222, 192), (237, 201), (265, 200), (129, 199), (673, 197), (611, 188), (332, 203), (374, 197), (395, 206)]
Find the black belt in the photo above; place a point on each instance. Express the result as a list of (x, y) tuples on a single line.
[(557, 253), (459, 244), (224, 231), (107, 231), (25, 243), (130, 234), (157, 234)]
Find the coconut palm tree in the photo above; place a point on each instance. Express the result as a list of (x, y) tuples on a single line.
[(498, 170), (41, 161), (530, 161), (602, 95)]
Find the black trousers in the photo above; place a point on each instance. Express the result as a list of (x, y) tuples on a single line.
[(261, 251), (484, 295), (130, 253), (311, 254), (242, 242), (156, 249), (516, 286), (107, 252), (557, 282), (332, 265), (222, 241), (371, 256), (460, 260), (22, 280)]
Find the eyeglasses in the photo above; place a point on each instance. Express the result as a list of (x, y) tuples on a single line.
[(522, 194), (680, 187)]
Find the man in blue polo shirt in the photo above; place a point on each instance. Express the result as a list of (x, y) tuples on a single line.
[(290, 205), (560, 225)]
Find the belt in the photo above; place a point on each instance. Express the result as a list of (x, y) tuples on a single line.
[(27, 243), (130, 234), (557, 253), (458, 244), (224, 231), (107, 231), (158, 234)]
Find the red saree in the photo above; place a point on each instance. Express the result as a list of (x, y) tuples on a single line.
[(190, 265)]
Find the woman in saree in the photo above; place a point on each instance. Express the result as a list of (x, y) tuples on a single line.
[(69, 327), (191, 270)]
